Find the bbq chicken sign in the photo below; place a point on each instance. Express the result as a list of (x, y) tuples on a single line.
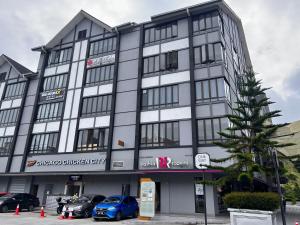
[(100, 61)]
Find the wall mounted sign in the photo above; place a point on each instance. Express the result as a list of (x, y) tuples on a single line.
[(99, 61), (118, 164), (65, 162), (75, 178), (199, 189), (165, 163), (147, 198), (202, 160), (51, 95)]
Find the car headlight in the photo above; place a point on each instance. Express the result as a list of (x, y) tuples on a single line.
[(77, 208), (112, 208)]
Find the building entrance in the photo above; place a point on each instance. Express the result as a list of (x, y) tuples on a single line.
[(157, 196)]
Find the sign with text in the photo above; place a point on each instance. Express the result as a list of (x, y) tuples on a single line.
[(165, 163), (147, 198), (51, 95), (100, 61), (202, 160)]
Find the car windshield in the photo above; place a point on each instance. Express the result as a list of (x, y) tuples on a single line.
[(112, 200), (81, 199)]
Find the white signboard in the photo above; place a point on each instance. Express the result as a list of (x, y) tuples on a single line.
[(199, 189), (202, 160), (99, 61), (147, 199)]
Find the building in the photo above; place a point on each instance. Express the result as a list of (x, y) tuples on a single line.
[(111, 105)]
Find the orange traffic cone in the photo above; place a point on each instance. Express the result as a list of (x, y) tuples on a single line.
[(42, 214), (70, 217), (62, 216), (17, 210)]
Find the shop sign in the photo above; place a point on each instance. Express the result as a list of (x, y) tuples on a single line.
[(199, 189), (165, 163), (99, 61), (118, 164), (202, 160), (75, 178), (147, 201), (66, 162), (51, 95)]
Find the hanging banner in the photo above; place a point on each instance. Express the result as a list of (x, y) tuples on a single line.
[(100, 61)]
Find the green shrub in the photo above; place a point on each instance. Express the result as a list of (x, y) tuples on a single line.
[(268, 201)]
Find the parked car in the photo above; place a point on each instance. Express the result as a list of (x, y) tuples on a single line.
[(83, 206), (116, 207), (3, 193), (25, 201)]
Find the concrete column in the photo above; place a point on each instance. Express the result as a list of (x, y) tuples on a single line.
[(211, 200)]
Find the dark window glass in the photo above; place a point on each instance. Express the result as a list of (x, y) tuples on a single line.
[(92, 139), (103, 46), (212, 90), (44, 143), (208, 130), (55, 82), (5, 145), (81, 35), (160, 134), (49, 111), (60, 56), (2, 76), (9, 116), (161, 33), (206, 21), (100, 75), (160, 97), (96, 105), (208, 53), (15, 90)]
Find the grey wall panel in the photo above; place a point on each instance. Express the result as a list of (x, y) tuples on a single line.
[(128, 70), (84, 24), (68, 37), (127, 85), (129, 54), (96, 30), (126, 134), (5, 67), (124, 156), (182, 28), (129, 40), (184, 94), (215, 152), (30, 100), (20, 144), (3, 162), (27, 114), (4, 184), (32, 89), (183, 60), (185, 132), (16, 164), (23, 129), (126, 101), (127, 118)]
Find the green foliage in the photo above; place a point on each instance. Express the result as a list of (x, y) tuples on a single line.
[(268, 201)]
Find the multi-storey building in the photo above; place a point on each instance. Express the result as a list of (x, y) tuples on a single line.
[(111, 105)]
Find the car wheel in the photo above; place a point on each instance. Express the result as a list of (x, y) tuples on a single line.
[(96, 219), (4, 209), (118, 216), (30, 208), (86, 213), (136, 214)]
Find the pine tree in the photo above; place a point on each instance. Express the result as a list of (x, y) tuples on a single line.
[(248, 138)]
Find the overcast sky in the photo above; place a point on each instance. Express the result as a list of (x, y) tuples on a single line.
[(271, 27)]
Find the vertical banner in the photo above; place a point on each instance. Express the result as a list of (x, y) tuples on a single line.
[(147, 199)]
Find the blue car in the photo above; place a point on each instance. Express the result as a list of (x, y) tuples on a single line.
[(116, 207)]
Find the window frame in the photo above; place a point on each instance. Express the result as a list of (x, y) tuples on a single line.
[(49, 116), (92, 102), (104, 48), (156, 33), (4, 150), (37, 145), (102, 137), (17, 92), (102, 69)]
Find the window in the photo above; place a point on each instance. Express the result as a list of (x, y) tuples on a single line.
[(55, 82), (212, 90), (160, 135), (60, 56), (153, 64), (2, 76), (208, 53), (161, 33), (15, 90), (100, 75), (44, 143), (103, 46), (208, 130), (5, 145), (96, 105), (50, 111), (207, 21), (92, 139), (8, 116), (160, 97), (81, 35)]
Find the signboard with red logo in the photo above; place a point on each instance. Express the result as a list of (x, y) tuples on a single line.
[(100, 61), (165, 162)]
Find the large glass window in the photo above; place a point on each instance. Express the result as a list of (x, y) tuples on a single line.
[(92, 139), (15, 90), (55, 82), (103, 46), (160, 135), (153, 64), (9, 116), (100, 75), (208, 130), (44, 143), (60, 56), (166, 31), (96, 105), (208, 53), (49, 111), (5, 145), (211, 90), (160, 97), (206, 21)]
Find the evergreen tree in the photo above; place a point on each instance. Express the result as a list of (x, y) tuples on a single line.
[(248, 138)]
